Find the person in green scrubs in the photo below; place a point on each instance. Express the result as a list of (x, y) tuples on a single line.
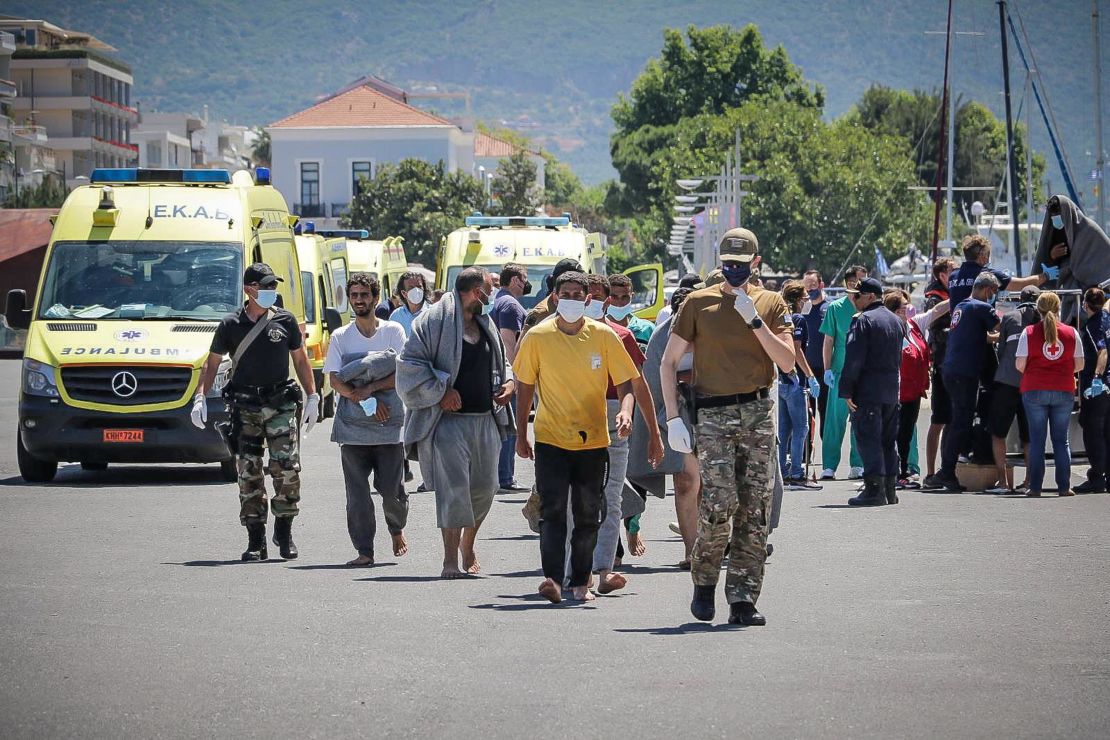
[(835, 327)]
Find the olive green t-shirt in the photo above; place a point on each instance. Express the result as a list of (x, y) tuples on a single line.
[(728, 357)]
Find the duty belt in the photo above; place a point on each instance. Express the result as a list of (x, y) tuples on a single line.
[(258, 391), (713, 402)]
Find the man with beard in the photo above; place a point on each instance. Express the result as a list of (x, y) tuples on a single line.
[(456, 384)]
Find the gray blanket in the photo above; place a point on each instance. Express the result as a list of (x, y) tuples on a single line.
[(429, 365), (352, 425), (1088, 260), (639, 469)]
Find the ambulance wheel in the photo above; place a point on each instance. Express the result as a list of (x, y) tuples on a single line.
[(228, 471), (31, 468), (328, 407), (97, 466)]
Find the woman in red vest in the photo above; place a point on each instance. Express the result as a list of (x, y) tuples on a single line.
[(914, 373), (1048, 357)]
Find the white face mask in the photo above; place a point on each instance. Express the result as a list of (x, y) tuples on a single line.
[(571, 311), (595, 309), (266, 298), (415, 295)]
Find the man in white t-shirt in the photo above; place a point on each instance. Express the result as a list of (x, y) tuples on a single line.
[(369, 434)]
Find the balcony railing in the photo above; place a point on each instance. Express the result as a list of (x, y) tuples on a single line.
[(31, 133), (310, 209), (340, 209), (8, 89)]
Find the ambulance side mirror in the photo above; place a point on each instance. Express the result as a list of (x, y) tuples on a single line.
[(332, 320), (16, 311)]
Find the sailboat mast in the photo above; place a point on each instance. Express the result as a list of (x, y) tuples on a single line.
[(943, 142), (1010, 165), (1099, 158)]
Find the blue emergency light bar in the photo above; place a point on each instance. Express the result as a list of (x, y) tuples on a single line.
[(343, 233), (542, 221), (261, 175), (125, 175)]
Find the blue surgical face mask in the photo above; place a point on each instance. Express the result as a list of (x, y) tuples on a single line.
[(487, 309), (814, 294), (595, 310), (736, 274), (1058, 221), (620, 313), (992, 299), (266, 298)]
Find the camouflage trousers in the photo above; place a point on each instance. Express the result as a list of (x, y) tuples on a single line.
[(736, 449), (275, 427)]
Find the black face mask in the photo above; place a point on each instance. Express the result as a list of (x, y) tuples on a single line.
[(527, 287), (736, 275)]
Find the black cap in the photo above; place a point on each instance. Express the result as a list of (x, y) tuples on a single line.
[(261, 273), (1029, 294), (689, 280), (868, 285), (566, 265)]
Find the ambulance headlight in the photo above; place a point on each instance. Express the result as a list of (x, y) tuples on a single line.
[(39, 379), (222, 376)]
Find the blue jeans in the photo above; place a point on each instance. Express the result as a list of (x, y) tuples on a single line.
[(793, 428), (1048, 411), (506, 462)]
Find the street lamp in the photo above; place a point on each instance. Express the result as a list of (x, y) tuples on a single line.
[(689, 184)]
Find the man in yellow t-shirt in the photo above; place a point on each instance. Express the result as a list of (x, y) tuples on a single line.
[(739, 333), (571, 359)]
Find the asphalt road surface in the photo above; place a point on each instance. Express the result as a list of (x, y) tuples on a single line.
[(127, 614)]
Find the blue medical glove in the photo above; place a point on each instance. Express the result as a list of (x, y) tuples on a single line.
[(1097, 389), (1052, 273), (814, 387), (830, 377)]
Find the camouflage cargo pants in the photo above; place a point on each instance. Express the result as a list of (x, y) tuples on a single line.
[(736, 449), (275, 427)]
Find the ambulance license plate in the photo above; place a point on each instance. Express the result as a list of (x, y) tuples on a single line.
[(123, 435)]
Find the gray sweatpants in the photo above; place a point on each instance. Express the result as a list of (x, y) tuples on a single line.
[(609, 533), (386, 462), (466, 448)]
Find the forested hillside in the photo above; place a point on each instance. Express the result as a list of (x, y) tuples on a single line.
[(554, 70)]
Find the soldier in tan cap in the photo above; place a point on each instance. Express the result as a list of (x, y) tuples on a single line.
[(738, 333)]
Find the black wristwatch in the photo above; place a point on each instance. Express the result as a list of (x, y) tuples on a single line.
[(756, 323)]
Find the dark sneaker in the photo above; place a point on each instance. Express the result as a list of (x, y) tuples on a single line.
[(1090, 487)]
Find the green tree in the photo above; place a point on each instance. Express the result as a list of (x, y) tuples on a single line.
[(980, 141), (260, 151), (419, 201), (514, 187), (561, 187), (719, 69)]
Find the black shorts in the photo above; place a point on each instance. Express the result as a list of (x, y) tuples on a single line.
[(1005, 404), (940, 401)]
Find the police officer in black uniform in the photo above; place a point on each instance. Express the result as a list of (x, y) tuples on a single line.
[(265, 406), (869, 383)]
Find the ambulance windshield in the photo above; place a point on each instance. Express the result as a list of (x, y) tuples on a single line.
[(142, 280)]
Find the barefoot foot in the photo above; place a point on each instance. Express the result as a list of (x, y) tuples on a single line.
[(361, 561), (636, 546), (451, 571), (551, 591), (582, 593), (400, 544), (611, 582)]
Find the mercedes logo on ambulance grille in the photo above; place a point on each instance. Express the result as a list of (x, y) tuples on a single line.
[(124, 384)]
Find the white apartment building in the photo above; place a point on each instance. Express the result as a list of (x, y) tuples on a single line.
[(79, 96)]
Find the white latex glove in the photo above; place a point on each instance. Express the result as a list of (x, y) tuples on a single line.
[(677, 436), (199, 414), (745, 306), (311, 412)]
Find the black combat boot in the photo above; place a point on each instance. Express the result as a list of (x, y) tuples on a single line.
[(744, 612), (283, 537), (890, 488), (256, 542), (872, 492), (702, 606)]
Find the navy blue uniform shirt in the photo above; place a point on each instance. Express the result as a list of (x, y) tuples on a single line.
[(815, 339), (1096, 337), (962, 279), (873, 357), (967, 339)]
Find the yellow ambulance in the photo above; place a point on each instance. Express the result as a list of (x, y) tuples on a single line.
[(538, 243), (384, 259), (141, 266), (323, 258)]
